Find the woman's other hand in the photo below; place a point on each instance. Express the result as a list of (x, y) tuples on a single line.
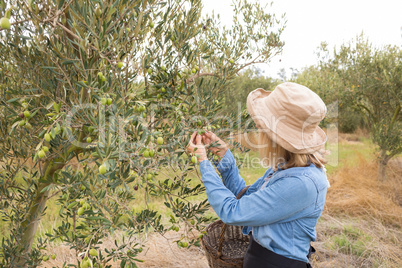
[(214, 143), (196, 147)]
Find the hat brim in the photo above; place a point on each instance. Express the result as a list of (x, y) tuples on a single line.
[(295, 140)]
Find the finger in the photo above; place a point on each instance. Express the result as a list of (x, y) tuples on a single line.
[(213, 137), (190, 147), (205, 135), (191, 144), (198, 140), (192, 138), (208, 133), (193, 135)]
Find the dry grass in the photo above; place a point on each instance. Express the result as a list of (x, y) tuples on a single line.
[(356, 191), (356, 242), (354, 137), (160, 251), (362, 219)]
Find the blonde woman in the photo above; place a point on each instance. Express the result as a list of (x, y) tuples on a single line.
[(281, 209)]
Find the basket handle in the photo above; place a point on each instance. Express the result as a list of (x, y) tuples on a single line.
[(222, 234)]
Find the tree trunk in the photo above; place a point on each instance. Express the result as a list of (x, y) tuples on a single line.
[(382, 165), (30, 225), (382, 176)]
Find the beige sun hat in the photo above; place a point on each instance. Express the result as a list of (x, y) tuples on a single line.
[(290, 115)]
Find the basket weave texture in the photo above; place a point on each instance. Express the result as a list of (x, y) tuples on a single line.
[(234, 240), (225, 245)]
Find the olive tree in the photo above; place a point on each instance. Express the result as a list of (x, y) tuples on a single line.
[(327, 85), (237, 90), (366, 79), (98, 99)]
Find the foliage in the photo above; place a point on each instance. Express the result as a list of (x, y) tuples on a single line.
[(369, 80), (235, 94), (115, 88), (327, 85), (349, 120)]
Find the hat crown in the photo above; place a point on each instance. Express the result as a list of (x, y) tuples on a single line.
[(290, 114), (297, 102)]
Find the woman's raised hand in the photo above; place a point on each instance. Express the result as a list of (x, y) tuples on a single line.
[(214, 143), (196, 147)]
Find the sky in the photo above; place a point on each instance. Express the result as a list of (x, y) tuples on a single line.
[(310, 22)]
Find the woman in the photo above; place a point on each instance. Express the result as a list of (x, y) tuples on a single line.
[(281, 209)]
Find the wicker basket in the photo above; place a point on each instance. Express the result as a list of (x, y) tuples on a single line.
[(225, 245)]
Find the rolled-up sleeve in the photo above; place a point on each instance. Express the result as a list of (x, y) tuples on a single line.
[(279, 201)]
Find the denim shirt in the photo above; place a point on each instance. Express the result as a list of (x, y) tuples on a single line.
[(282, 214)]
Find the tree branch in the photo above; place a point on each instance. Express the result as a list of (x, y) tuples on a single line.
[(191, 79), (395, 116)]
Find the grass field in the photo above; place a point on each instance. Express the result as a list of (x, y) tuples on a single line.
[(360, 226)]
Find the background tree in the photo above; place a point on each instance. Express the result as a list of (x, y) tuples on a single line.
[(115, 88), (368, 80), (327, 84), (236, 92)]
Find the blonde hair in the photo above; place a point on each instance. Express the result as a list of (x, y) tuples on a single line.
[(272, 154)]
